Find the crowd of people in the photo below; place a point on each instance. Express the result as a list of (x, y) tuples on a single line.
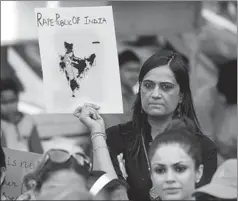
[(160, 153)]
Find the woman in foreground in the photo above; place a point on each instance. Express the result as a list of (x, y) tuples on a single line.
[(176, 165)]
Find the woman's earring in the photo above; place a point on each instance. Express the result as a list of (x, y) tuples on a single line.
[(179, 112)]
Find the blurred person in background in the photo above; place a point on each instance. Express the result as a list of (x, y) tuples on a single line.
[(57, 171), (129, 63), (2, 171), (223, 186), (224, 111), (81, 143), (217, 110), (69, 192), (7, 70), (18, 129)]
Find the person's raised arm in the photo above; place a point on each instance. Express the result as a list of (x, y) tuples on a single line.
[(89, 116)]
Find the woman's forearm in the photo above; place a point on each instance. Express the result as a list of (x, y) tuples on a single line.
[(102, 161), (101, 157)]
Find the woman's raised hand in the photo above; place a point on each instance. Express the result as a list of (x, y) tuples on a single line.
[(89, 116)]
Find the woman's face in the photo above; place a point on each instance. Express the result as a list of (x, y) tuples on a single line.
[(9, 102), (129, 73), (173, 173), (160, 92)]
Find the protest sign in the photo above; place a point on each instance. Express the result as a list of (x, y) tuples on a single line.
[(79, 58), (18, 164)]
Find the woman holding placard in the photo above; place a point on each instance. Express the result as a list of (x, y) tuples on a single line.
[(164, 94)]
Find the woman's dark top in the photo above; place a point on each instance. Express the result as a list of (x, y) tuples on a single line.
[(120, 139)]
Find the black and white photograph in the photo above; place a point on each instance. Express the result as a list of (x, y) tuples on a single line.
[(118, 100)]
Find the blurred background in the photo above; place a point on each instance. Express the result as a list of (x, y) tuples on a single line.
[(204, 32)]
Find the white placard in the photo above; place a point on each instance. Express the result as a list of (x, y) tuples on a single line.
[(79, 58)]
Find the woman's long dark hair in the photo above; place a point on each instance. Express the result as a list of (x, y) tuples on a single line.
[(179, 131), (180, 67)]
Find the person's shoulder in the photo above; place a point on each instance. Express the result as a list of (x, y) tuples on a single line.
[(117, 135), (121, 129)]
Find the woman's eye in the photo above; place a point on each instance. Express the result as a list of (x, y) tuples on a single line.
[(180, 169), (148, 85), (160, 170), (166, 87)]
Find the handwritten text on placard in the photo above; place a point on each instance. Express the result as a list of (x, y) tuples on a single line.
[(58, 21), (18, 165)]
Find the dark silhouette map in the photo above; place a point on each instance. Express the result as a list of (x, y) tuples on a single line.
[(75, 68)]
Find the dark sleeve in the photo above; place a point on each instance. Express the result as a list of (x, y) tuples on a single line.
[(115, 146), (35, 142), (209, 159)]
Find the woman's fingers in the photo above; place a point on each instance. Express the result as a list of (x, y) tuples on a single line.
[(96, 107), (89, 116), (93, 112), (77, 111), (97, 115), (94, 115), (88, 112)]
